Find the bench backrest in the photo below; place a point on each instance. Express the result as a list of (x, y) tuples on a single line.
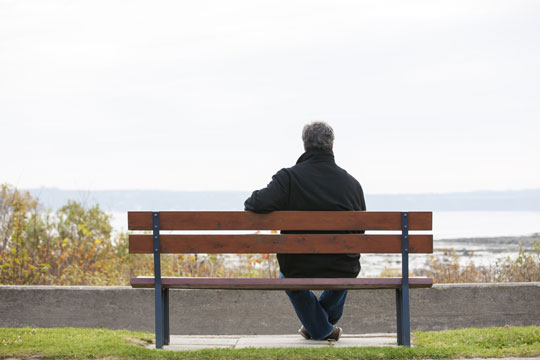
[(224, 242)]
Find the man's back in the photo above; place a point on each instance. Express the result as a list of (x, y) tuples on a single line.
[(315, 183)]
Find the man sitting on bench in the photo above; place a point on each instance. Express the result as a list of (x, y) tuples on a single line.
[(315, 183)]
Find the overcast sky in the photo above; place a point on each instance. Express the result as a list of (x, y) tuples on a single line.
[(424, 96)]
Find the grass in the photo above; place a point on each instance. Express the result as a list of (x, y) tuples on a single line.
[(28, 343)]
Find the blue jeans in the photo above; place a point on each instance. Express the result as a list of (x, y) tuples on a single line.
[(318, 315)]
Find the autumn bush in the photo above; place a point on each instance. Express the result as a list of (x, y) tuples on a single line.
[(74, 245), (77, 246)]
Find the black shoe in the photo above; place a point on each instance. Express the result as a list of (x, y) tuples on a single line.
[(335, 335), (302, 331)]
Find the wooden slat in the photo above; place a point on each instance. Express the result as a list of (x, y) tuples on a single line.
[(281, 284), (279, 220), (284, 243)]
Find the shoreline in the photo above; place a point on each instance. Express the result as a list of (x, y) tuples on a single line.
[(508, 239), (480, 251)]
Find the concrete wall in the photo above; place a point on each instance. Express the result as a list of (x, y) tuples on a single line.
[(265, 312)]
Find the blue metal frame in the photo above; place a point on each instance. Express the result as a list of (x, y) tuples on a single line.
[(402, 295), (166, 333), (158, 289)]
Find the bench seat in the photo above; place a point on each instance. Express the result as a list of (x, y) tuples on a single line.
[(281, 284)]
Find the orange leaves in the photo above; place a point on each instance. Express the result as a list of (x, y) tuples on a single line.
[(73, 247), (76, 246)]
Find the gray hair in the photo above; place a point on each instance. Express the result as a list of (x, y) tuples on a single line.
[(318, 136)]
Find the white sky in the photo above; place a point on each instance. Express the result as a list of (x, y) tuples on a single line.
[(424, 96)]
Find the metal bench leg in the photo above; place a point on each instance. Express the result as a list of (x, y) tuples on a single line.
[(403, 317), (398, 317), (166, 333), (159, 316)]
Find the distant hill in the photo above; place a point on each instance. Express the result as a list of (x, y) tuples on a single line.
[(123, 200)]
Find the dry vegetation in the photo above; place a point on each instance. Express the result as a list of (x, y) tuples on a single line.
[(446, 268), (77, 246)]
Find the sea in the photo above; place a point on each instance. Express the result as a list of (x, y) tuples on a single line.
[(480, 237)]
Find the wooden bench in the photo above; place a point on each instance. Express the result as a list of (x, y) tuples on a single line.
[(215, 243)]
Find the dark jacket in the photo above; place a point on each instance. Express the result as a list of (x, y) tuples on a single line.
[(315, 183)]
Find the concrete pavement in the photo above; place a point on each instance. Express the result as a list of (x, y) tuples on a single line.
[(198, 342)]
